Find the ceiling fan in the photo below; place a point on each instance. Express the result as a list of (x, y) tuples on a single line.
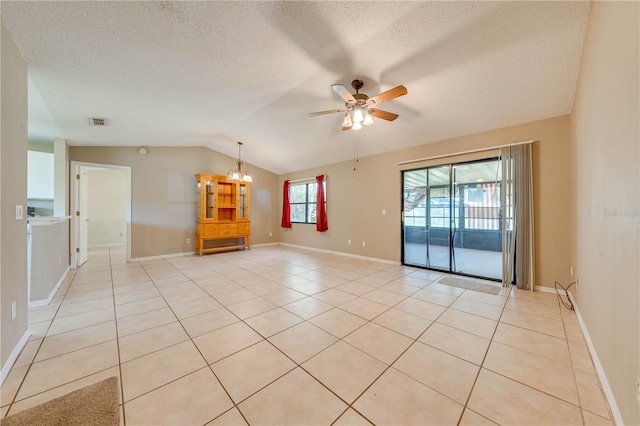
[(360, 108)]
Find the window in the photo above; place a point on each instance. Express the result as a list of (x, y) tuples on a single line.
[(302, 198)]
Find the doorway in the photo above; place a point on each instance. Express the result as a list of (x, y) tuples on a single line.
[(101, 208), (451, 218)]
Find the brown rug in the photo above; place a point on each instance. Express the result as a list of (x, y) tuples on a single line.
[(96, 404), (471, 285)]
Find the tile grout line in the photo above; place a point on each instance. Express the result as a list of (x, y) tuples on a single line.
[(207, 365), (573, 371), (115, 320), (13, 400), (520, 382), (416, 340), (484, 358)]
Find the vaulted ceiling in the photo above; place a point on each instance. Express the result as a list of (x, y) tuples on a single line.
[(213, 73)]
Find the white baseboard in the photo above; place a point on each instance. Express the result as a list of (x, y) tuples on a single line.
[(611, 399), (265, 244), (339, 253), (161, 256), (45, 302), (95, 246), (13, 357), (543, 289), (190, 253)]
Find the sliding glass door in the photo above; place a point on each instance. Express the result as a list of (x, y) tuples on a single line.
[(451, 218)]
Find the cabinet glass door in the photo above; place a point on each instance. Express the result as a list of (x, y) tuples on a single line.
[(198, 199), (210, 199), (242, 201)]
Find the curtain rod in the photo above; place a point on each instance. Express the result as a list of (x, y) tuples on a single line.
[(303, 179), (471, 151)]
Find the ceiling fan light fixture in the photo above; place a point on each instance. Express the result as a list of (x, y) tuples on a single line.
[(358, 105), (357, 115), (367, 118), (347, 120)]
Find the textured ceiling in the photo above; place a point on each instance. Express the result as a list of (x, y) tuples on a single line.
[(212, 73)]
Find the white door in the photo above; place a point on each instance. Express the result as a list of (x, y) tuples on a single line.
[(82, 219), (80, 205)]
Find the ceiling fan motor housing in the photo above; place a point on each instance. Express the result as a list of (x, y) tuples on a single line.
[(360, 97)]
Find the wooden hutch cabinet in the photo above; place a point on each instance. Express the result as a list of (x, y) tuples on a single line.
[(222, 208)]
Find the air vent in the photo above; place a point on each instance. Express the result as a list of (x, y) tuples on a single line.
[(98, 121)]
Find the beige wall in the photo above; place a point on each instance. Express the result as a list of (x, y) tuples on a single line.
[(355, 199), (163, 194), (13, 176), (606, 143), (49, 259)]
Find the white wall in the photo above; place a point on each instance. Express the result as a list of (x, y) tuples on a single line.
[(40, 175), (106, 207)]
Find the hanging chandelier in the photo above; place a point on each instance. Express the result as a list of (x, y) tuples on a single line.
[(239, 174), (356, 116)]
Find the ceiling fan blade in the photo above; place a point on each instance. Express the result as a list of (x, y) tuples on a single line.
[(390, 94), (330, 111), (346, 127), (343, 93), (378, 113)]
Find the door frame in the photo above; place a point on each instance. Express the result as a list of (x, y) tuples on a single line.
[(74, 185)]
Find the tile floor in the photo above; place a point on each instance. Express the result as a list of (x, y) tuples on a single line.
[(286, 336)]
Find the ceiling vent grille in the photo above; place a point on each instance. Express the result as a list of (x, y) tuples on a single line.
[(98, 121)]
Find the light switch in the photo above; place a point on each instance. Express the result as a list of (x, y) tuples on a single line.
[(19, 212)]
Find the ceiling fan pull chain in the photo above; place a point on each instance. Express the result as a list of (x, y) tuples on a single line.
[(355, 153)]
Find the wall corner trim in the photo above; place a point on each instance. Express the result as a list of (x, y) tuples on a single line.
[(13, 357), (45, 302), (606, 387)]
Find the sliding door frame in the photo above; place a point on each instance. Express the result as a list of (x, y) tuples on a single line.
[(453, 207)]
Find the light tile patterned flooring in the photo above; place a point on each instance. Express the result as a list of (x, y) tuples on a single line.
[(286, 336)]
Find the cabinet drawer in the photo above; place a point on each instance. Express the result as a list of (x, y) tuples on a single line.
[(209, 230), (244, 228), (226, 229)]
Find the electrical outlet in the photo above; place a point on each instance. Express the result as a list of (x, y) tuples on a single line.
[(13, 310), (364, 244), (19, 212), (349, 242), (271, 234), (188, 240), (384, 212)]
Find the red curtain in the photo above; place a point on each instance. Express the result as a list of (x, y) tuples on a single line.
[(286, 207), (321, 212)]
